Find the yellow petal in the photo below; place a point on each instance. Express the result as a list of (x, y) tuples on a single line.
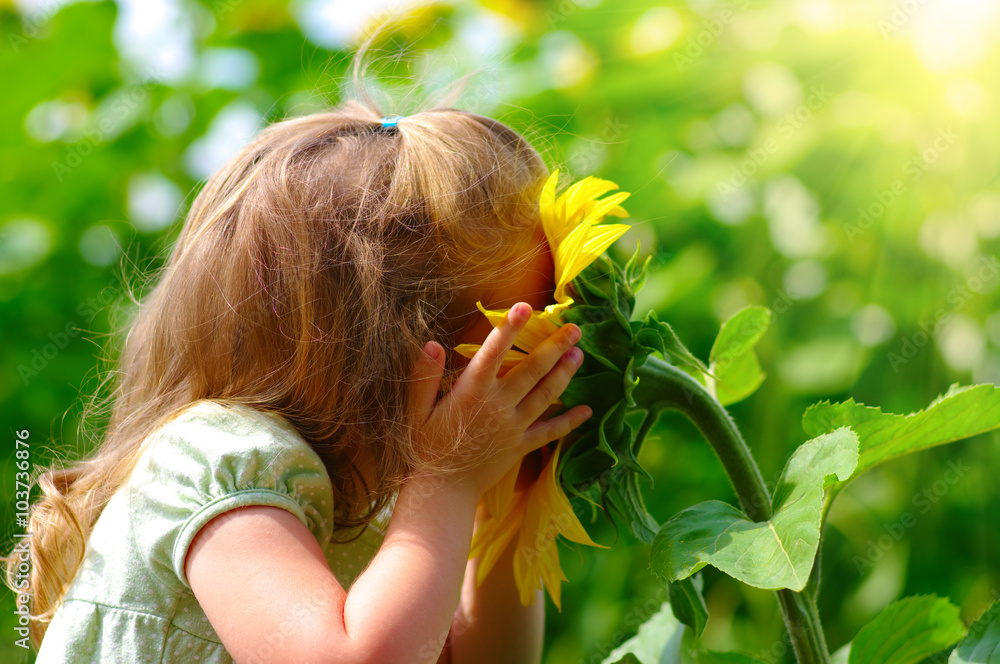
[(581, 200), (580, 249), (567, 221), (606, 206), (485, 534), (535, 331), (599, 239), (552, 576), (525, 574), (578, 205), (581, 196), (551, 495), (536, 566), (494, 535), (547, 513), (618, 211), (511, 359), (554, 312), (546, 207), (497, 497)]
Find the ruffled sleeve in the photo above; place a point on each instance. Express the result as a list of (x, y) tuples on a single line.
[(213, 458)]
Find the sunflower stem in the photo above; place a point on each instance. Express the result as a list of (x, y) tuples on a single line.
[(664, 386)]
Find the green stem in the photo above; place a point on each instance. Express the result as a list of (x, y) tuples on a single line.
[(804, 626), (664, 386)]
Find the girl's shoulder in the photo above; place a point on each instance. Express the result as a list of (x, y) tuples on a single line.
[(130, 594), (216, 432), (233, 418), (213, 457)]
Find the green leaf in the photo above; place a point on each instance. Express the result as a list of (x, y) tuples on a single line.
[(644, 526), (593, 391), (775, 554), (610, 433), (659, 641), (624, 497), (584, 466), (733, 361), (602, 336), (629, 383), (595, 282), (982, 644), (960, 413), (713, 657), (907, 632), (656, 335), (629, 658), (740, 379), (842, 654), (688, 604), (635, 274), (604, 284), (740, 333)]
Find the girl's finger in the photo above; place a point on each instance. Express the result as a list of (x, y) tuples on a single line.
[(540, 433), (489, 358), (538, 400), (525, 376), (426, 380)]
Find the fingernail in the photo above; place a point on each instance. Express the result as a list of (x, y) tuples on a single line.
[(573, 334), (588, 412), (521, 311), (432, 349), (575, 355)]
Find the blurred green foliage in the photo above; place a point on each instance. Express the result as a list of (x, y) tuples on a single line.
[(835, 161)]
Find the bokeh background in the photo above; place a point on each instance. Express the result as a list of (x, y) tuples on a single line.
[(834, 160)]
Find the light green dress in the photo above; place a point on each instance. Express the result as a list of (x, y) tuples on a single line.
[(130, 601)]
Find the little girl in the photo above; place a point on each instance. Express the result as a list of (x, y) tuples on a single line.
[(280, 389)]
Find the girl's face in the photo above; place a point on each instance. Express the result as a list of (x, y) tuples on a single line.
[(534, 284)]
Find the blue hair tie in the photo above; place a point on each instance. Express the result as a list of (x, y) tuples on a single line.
[(391, 121)]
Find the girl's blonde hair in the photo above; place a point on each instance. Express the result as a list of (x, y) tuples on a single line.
[(309, 273)]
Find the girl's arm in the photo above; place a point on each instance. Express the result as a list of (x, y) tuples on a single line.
[(267, 590), (491, 625), (264, 583)]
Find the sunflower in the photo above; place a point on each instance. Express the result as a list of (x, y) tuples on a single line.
[(539, 512)]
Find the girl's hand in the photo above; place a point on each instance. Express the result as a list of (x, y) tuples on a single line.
[(485, 424)]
